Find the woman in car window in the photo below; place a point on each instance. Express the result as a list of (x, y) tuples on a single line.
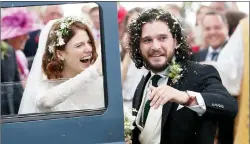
[(66, 72)]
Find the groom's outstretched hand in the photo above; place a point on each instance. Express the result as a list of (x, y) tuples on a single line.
[(162, 94)]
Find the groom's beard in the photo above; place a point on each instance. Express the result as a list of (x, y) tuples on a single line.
[(157, 68)]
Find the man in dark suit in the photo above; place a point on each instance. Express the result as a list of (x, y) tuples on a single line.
[(11, 88), (177, 101), (215, 30)]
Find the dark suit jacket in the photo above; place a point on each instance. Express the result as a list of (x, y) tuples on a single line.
[(11, 89), (201, 55), (32, 44), (31, 47), (185, 126)]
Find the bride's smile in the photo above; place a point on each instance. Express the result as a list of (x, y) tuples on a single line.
[(78, 53)]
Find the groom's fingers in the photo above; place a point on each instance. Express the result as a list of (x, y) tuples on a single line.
[(152, 92), (161, 98), (157, 94), (165, 100)]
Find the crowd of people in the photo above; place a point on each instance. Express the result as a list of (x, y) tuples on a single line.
[(210, 41)]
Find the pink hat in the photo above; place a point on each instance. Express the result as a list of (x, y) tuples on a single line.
[(16, 22)]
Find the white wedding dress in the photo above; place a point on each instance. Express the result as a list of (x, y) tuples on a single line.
[(84, 91)]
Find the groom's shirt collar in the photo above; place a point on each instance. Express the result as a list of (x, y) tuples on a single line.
[(162, 73)]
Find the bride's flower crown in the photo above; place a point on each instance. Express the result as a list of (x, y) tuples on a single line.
[(64, 30)]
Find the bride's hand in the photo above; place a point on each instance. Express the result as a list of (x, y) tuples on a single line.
[(98, 62)]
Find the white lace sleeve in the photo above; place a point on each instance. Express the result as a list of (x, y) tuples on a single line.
[(61, 92)]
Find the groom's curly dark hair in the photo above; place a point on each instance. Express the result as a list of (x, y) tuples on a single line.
[(135, 30)]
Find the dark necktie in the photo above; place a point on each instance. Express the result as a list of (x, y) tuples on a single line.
[(214, 56), (155, 80)]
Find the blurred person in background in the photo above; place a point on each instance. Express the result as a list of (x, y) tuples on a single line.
[(215, 30), (85, 9), (175, 11), (51, 12), (95, 17), (223, 7), (122, 12), (16, 23), (47, 13), (130, 74), (199, 37), (131, 14), (10, 96), (189, 33)]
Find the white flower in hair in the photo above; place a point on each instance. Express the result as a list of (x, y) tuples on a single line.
[(64, 30), (51, 48), (63, 26), (60, 41), (58, 33)]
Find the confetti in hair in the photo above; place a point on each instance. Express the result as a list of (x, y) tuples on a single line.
[(135, 29)]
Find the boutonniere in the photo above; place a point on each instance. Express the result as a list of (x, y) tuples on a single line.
[(174, 71), (4, 50)]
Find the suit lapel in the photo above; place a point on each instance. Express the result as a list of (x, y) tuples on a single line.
[(167, 107), (139, 93), (204, 55)]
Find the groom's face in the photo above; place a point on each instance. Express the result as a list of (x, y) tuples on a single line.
[(157, 45)]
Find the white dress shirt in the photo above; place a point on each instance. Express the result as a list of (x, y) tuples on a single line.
[(211, 51)]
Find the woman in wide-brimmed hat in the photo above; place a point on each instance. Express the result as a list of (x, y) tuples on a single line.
[(16, 24)]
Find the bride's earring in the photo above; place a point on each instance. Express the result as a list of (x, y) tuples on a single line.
[(62, 63)]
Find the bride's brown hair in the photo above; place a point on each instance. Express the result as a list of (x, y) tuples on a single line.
[(52, 66)]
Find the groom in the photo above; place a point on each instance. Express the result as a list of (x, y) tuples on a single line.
[(177, 101)]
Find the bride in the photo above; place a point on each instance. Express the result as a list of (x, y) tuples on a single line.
[(66, 73)]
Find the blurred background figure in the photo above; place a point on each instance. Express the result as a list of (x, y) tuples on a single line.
[(223, 7), (45, 13), (95, 17), (10, 96), (16, 24), (50, 13), (85, 9), (175, 10), (215, 31), (130, 74), (198, 33), (121, 12)]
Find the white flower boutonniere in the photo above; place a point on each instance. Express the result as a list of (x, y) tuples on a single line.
[(174, 71)]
